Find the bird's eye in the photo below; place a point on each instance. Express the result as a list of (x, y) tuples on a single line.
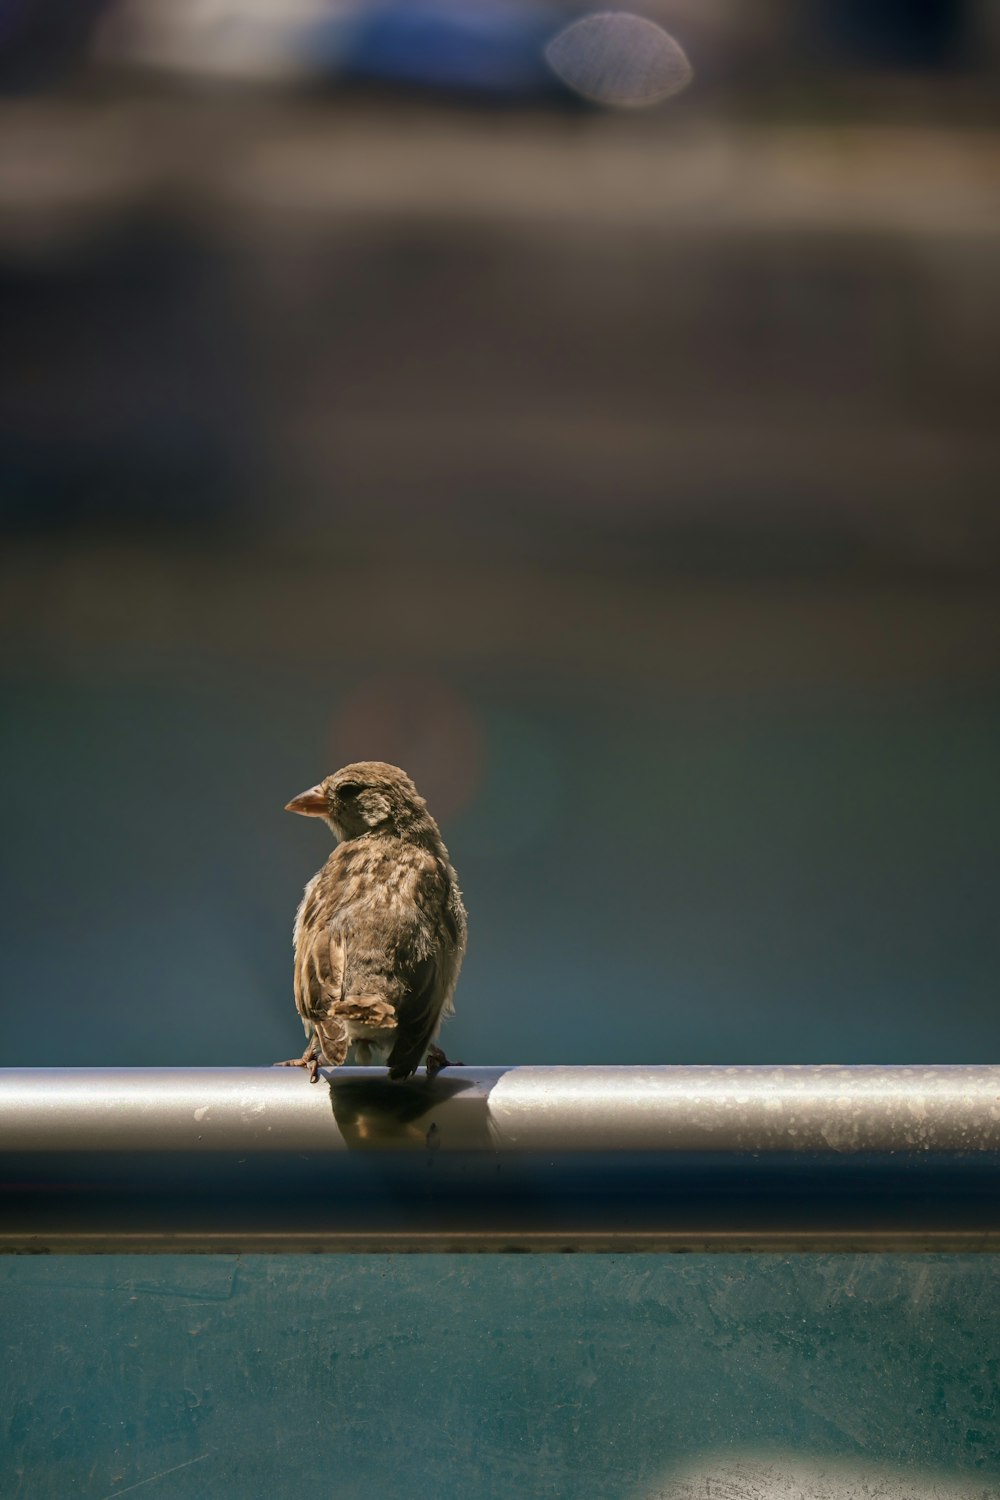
[(349, 789)]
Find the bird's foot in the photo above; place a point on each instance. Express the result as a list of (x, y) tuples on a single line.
[(436, 1060), (309, 1059)]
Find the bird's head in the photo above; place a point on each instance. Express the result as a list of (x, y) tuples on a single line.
[(366, 797)]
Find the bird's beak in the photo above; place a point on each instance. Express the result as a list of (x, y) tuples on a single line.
[(311, 804)]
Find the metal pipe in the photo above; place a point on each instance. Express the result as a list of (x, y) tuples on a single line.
[(503, 1109), (527, 1158)]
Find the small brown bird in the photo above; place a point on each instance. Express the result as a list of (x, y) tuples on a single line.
[(380, 933)]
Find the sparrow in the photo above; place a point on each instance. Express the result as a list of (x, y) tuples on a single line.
[(381, 930)]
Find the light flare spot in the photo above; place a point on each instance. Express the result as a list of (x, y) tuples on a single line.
[(618, 59)]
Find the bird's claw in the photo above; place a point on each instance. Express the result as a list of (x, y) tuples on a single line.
[(436, 1060), (310, 1059)]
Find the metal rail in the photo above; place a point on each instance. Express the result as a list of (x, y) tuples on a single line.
[(529, 1158)]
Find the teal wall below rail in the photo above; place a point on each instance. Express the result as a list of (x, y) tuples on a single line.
[(181, 1378)]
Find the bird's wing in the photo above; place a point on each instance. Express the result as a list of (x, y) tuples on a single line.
[(320, 957), (417, 1016), (423, 964)]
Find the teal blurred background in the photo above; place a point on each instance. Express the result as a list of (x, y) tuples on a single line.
[(652, 874)]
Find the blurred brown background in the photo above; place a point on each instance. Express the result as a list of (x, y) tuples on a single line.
[(629, 476)]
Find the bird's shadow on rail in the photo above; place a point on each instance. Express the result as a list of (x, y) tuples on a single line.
[(381, 1114)]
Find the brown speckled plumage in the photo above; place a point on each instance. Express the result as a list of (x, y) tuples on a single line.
[(380, 933)]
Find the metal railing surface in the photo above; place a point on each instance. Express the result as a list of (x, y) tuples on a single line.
[(494, 1159)]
